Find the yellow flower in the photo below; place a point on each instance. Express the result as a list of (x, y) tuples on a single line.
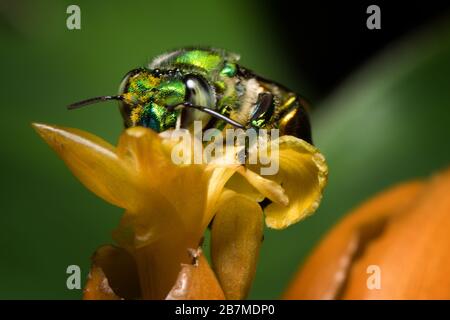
[(169, 206)]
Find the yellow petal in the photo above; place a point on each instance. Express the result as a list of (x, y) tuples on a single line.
[(266, 187), (93, 161), (239, 184), (221, 170), (219, 177), (303, 175), (236, 237), (173, 192)]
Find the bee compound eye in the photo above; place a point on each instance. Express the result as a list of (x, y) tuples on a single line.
[(126, 79), (198, 92)]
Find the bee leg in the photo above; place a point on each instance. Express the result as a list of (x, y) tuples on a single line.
[(263, 110), (263, 105), (179, 120)]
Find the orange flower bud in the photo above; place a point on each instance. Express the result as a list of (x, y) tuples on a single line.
[(401, 237)]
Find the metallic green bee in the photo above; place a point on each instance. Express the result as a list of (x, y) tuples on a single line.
[(191, 84)]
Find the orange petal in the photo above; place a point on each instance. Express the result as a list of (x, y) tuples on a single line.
[(412, 253), (196, 282), (113, 276), (326, 270), (97, 286), (403, 233)]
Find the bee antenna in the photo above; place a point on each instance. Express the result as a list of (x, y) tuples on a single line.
[(86, 102), (215, 114)]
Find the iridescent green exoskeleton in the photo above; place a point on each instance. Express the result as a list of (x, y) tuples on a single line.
[(190, 84)]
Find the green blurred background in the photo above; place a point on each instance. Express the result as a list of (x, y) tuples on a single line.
[(386, 122)]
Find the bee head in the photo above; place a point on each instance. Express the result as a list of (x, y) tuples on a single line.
[(149, 97)]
